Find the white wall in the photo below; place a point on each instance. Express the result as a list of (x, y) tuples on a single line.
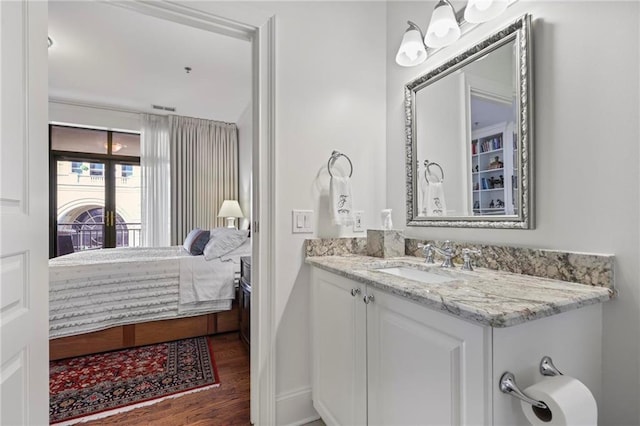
[(586, 152), (330, 80), (245, 141)]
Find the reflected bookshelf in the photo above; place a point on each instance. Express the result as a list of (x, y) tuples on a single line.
[(493, 181)]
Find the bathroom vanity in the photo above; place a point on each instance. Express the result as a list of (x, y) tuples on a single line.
[(395, 341)]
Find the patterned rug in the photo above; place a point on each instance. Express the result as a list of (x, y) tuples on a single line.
[(81, 387)]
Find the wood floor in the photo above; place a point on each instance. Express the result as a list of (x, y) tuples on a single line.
[(225, 405)]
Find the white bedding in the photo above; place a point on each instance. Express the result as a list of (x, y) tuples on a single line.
[(98, 289), (204, 280)]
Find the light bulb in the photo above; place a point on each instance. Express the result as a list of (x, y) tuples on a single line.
[(443, 28), (483, 4), (412, 50), (478, 11)]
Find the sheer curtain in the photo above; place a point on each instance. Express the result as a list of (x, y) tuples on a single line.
[(155, 179), (204, 172)]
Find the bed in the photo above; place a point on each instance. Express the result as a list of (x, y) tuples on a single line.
[(110, 299)]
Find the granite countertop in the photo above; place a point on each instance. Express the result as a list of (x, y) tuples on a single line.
[(483, 296)]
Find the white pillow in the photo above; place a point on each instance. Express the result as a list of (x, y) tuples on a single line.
[(223, 240)]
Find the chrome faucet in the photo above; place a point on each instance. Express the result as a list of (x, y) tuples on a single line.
[(427, 250), (447, 252), (466, 258)]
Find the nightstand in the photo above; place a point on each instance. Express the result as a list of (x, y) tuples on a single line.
[(245, 300)]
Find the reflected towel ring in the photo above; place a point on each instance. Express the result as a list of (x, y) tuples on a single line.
[(334, 157), (427, 172)]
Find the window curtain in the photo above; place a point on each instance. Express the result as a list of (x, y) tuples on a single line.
[(204, 173), (155, 181)]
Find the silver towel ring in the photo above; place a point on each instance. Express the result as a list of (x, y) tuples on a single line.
[(334, 157), (428, 164)]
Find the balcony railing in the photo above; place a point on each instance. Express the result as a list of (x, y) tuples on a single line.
[(90, 237)]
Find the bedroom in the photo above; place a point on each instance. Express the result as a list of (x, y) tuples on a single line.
[(103, 110), (111, 88), (347, 95)]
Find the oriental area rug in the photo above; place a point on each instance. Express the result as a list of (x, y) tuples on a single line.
[(95, 386)]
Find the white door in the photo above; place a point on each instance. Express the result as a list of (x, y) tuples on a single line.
[(24, 287), (339, 343), (425, 367)]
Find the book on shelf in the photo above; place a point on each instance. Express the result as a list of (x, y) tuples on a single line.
[(491, 144)]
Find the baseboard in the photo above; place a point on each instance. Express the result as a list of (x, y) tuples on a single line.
[(295, 408)]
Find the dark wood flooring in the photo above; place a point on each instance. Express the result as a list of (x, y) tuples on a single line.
[(225, 405)]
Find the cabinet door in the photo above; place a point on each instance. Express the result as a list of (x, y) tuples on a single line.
[(425, 367), (339, 343)]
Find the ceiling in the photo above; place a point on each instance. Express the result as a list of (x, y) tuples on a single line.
[(107, 55)]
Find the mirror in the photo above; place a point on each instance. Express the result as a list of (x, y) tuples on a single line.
[(469, 137)]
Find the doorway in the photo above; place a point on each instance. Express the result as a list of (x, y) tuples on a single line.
[(262, 38)]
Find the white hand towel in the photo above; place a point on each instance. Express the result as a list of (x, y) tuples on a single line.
[(341, 202), (435, 203)]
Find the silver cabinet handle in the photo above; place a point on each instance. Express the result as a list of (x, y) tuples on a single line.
[(368, 298), (355, 292)]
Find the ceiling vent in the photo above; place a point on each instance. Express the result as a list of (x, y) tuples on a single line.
[(164, 108)]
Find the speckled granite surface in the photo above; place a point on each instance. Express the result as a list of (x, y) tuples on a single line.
[(335, 246), (589, 269), (483, 296), (385, 243)]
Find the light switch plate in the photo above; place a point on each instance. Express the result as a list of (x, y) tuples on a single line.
[(358, 226), (302, 221)]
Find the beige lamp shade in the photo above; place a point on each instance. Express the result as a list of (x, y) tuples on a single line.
[(230, 209)]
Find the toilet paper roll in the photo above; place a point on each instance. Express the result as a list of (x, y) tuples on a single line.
[(570, 403)]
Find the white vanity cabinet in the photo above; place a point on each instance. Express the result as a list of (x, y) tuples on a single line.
[(339, 349), (393, 361)]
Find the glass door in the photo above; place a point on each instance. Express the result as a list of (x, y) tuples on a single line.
[(95, 189), (127, 206), (80, 205)]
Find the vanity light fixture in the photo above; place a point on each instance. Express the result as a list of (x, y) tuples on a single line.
[(478, 11), (412, 50), (444, 28)]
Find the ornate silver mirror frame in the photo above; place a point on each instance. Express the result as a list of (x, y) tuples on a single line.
[(519, 33)]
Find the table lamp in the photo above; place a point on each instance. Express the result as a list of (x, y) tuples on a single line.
[(230, 209)]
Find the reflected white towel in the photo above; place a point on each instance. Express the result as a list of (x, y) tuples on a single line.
[(435, 203), (341, 201), (423, 193)]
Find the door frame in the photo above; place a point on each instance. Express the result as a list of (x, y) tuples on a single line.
[(262, 38)]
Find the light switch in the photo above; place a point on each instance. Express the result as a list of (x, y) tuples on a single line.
[(357, 221), (302, 222)]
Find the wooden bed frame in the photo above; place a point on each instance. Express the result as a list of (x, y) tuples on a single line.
[(146, 333)]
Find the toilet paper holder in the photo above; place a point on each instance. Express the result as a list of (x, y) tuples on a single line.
[(508, 383)]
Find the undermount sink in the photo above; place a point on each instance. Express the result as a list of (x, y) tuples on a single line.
[(417, 275)]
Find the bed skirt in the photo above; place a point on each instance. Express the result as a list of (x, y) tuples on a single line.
[(145, 333)]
